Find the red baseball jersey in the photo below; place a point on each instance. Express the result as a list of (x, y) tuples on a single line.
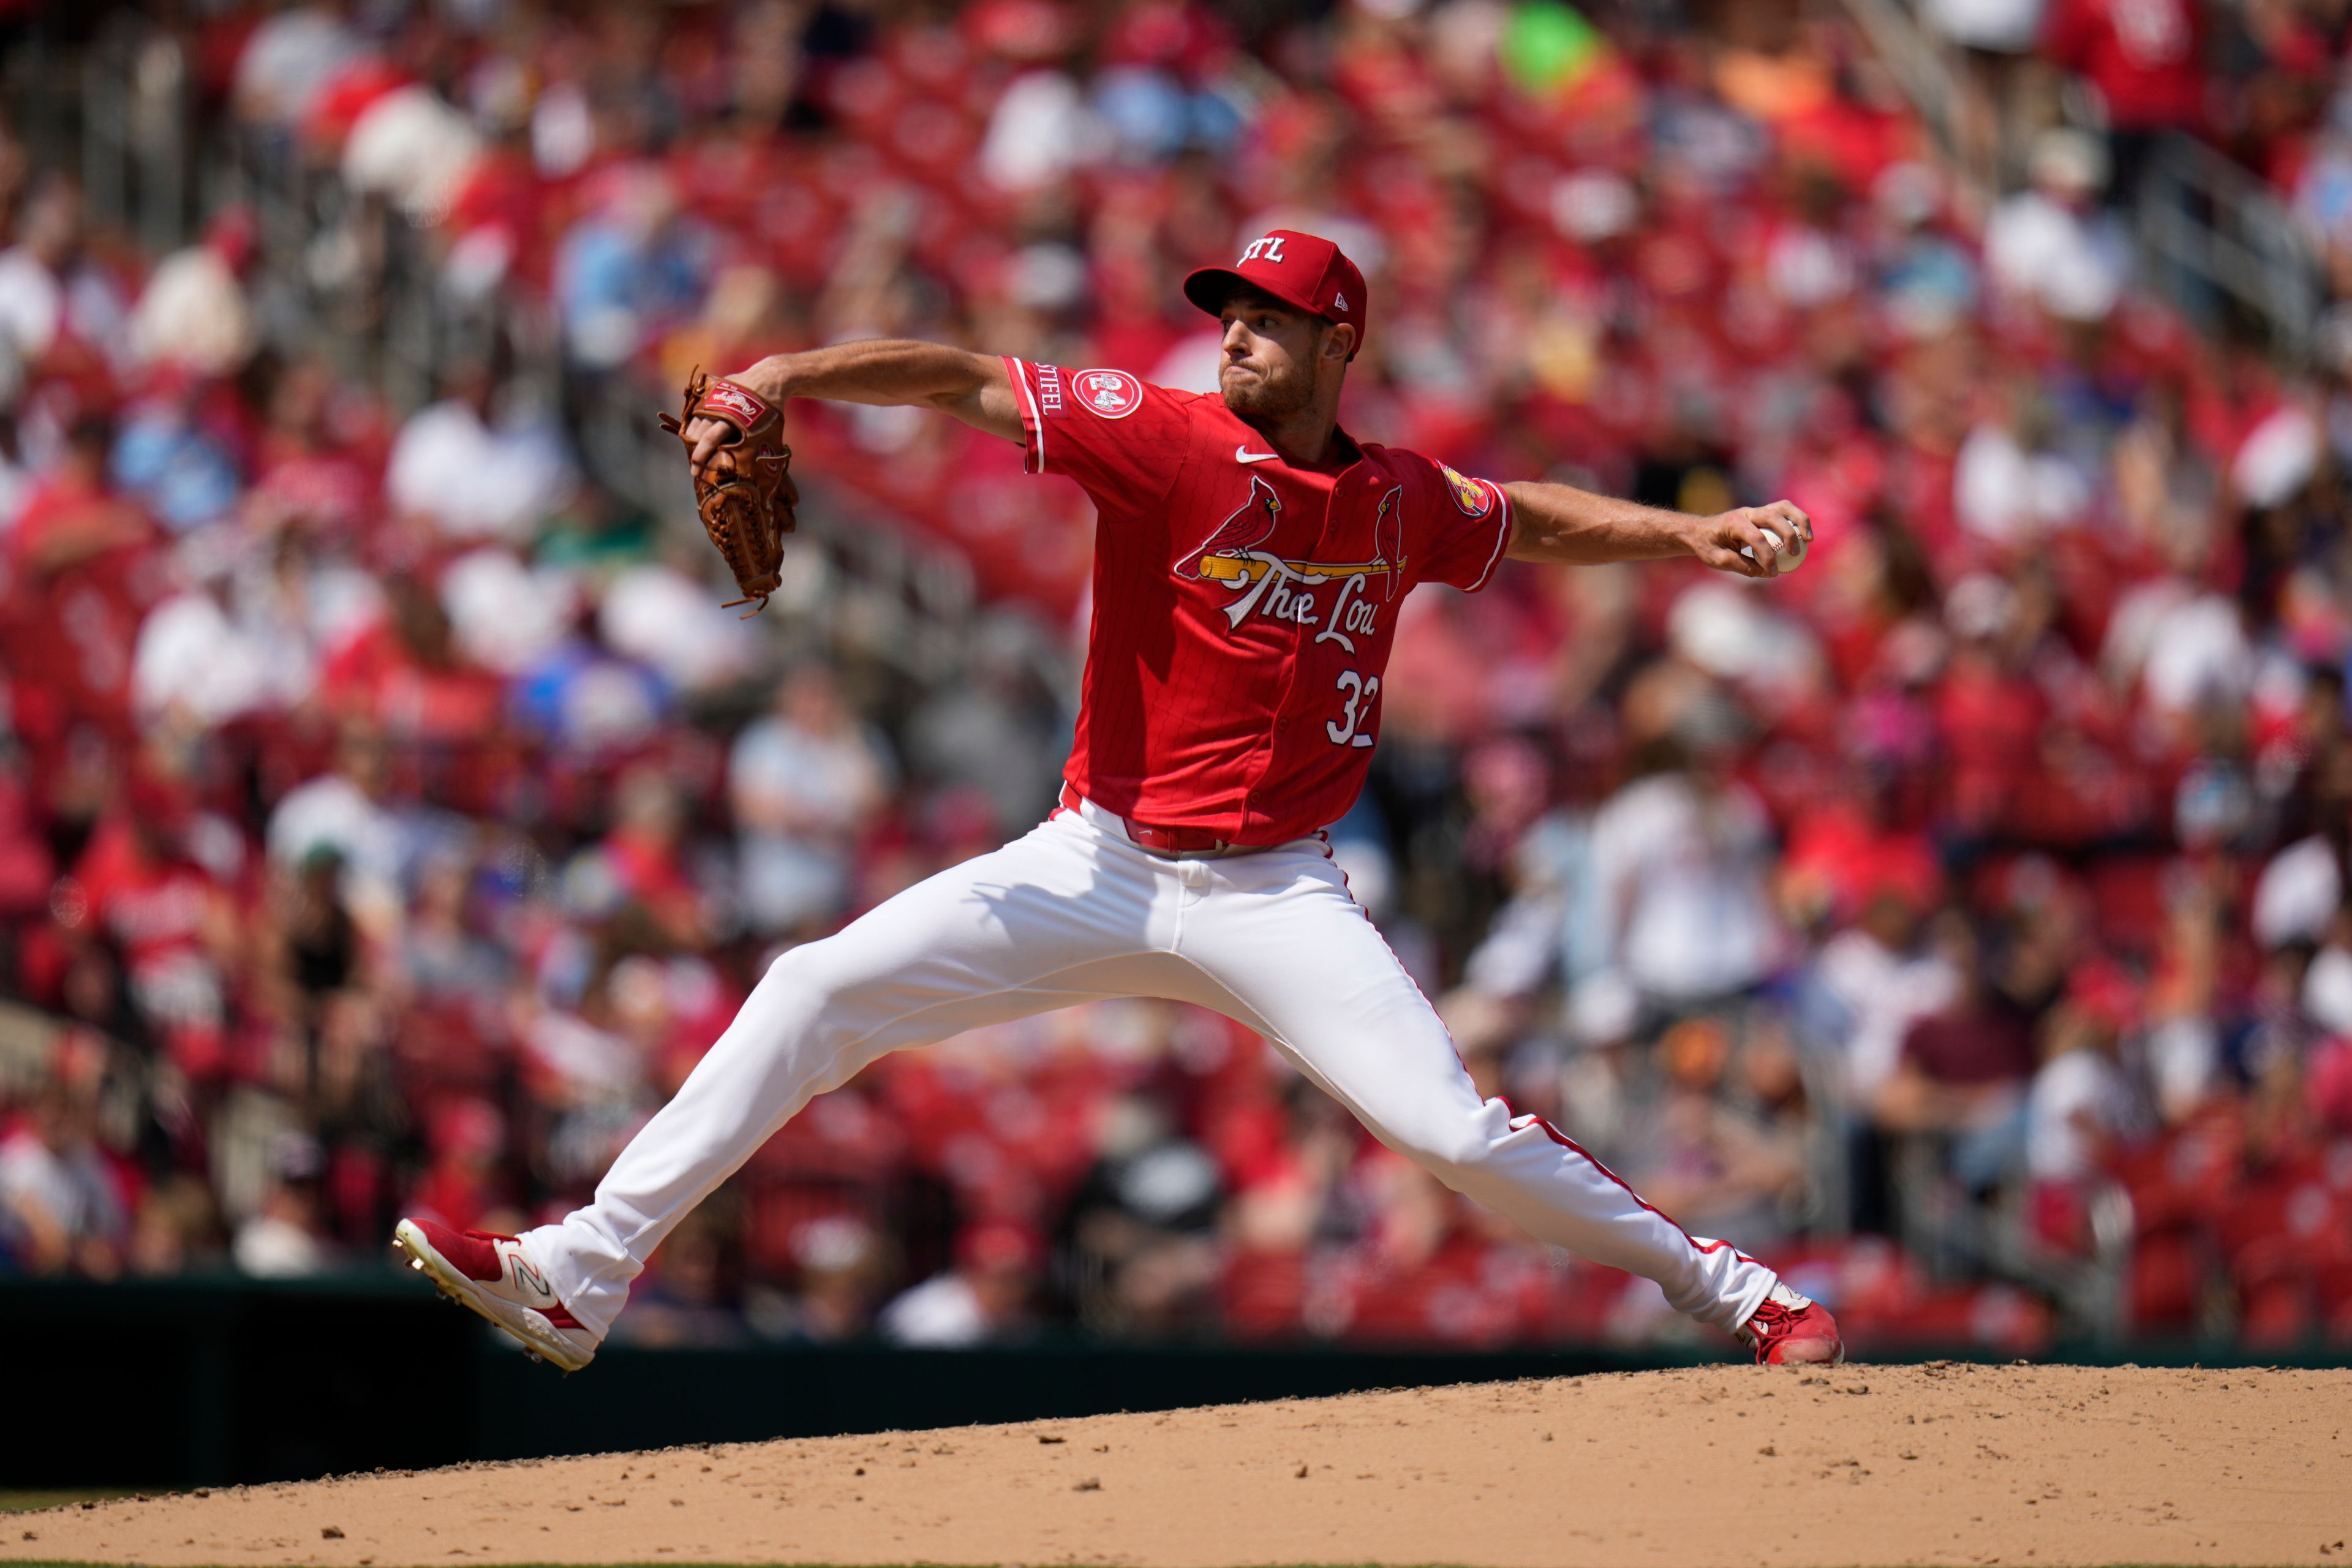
[(1243, 608)]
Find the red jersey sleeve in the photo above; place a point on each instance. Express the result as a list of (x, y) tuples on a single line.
[(1466, 526), (1123, 439)]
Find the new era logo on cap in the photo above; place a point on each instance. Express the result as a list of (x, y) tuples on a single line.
[(1303, 271)]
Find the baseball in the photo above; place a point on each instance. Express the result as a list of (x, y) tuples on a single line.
[(1787, 557)]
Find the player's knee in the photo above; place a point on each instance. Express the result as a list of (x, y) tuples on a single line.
[(1446, 1146), (811, 972)]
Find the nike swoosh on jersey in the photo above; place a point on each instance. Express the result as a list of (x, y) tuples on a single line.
[(1242, 454)]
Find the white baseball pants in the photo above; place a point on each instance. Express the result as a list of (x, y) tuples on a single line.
[(1075, 912)]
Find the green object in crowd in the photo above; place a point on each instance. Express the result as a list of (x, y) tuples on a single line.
[(1547, 47)]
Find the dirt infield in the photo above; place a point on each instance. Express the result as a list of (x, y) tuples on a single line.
[(1713, 1465)]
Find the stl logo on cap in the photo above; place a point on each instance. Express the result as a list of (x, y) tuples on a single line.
[(1113, 394), (1270, 247)]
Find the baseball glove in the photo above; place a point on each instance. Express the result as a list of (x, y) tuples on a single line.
[(745, 493)]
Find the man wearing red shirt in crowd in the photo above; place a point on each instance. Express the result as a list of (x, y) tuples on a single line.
[(1250, 560), (2147, 60), (72, 590), (2146, 57), (172, 922)]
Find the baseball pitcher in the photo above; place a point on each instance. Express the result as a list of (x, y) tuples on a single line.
[(1250, 562)]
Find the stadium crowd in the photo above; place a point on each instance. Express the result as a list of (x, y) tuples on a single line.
[(389, 815)]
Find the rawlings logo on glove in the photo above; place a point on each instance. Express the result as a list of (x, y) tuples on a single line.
[(745, 492)]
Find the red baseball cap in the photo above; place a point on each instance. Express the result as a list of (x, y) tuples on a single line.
[(1301, 269)]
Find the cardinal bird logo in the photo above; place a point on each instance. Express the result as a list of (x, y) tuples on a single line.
[(1237, 538), (1388, 541), (1235, 556)]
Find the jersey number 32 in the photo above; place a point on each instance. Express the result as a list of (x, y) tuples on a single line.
[(1351, 728)]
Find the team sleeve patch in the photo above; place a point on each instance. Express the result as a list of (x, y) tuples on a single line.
[(1471, 497), (1112, 393)]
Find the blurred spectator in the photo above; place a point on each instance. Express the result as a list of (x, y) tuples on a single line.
[(985, 1298), (2144, 59), (804, 782), (167, 914), (639, 869), (60, 1202), (471, 471), (1680, 857), (177, 1232), (1141, 1227), (2080, 1105), (629, 268), (285, 1237), (1963, 1070), (1882, 982), (338, 813), (1719, 1166), (996, 731), (2052, 243), (52, 297), (192, 315), (839, 1267)]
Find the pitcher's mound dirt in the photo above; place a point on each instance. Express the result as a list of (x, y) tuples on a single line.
[(1716, 1466)]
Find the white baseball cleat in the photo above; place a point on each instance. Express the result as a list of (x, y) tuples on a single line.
[(489, 1274)]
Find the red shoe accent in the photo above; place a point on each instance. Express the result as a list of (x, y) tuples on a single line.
[(561, 1317), (470, 1252), (1785, 1336)]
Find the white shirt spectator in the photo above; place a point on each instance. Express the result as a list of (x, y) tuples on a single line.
[(2328, 990), (1883, 993), (192, 659), (1687, 875), (666, 620), (193, 313), (2278, 456), (944, 1312), (505, 615), (474, 481), (2199, 654), (67, 1187), (413, 147), (593, 1064), (786, 779), (32, 302), (2006, 494), (2074, 265), (2072, 1092), (2182, 1056), (799, 794), (288, 58), (1041, 129), (1999, 26), (269, 1246), (2298, 893)]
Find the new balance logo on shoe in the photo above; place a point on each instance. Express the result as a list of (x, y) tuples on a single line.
[(526, 1275)]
